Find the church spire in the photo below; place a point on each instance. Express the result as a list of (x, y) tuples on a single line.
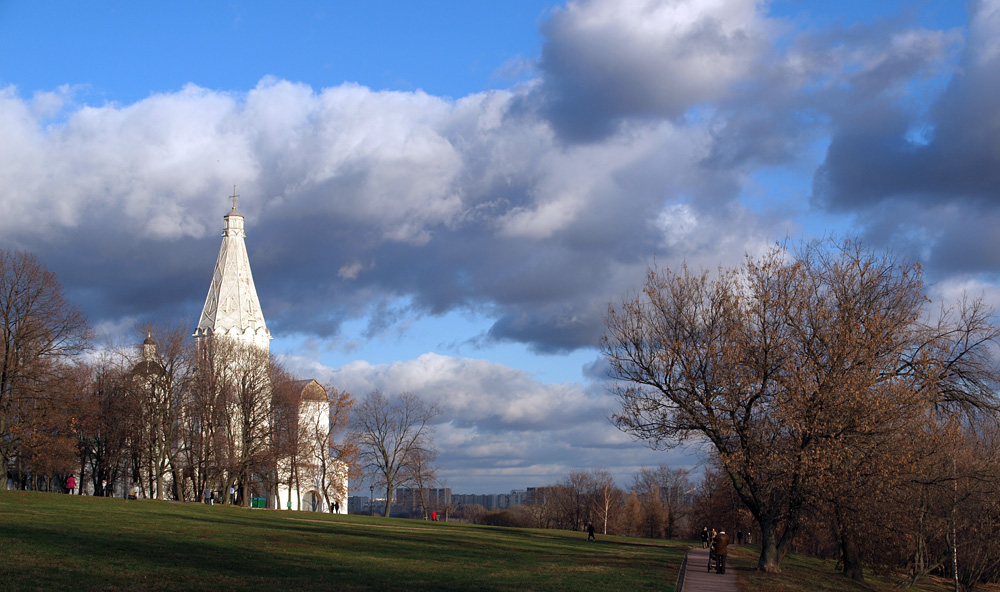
[(232, 307)]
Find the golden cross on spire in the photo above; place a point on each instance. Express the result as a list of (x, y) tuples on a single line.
[(234, 197)]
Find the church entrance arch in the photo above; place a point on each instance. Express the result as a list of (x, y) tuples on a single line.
[(312, 502)]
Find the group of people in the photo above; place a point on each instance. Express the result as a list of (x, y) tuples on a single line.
[(718, 547), (209, 496), (106, 490)]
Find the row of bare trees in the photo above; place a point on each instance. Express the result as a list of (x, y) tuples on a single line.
[(179, 422), (176, 418), (656, 505), (834, 399)]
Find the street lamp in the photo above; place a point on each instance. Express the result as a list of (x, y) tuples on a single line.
[(371, 499)]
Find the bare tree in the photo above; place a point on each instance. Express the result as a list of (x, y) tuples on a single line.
[(229, 415), (653, 514), (48, 426), (574, 496), (158, 382), (421, 474), (541, 507), (204, 416), (631, 515), (606, 497), (664, 490), (976, 509), (388, 431), (321, 453), (249, 371), (38, 329), (714, 503), (340, 464), (103, 422), (292, 437), (784, 364)]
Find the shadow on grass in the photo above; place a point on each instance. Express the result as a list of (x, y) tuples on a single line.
[(101, 544)]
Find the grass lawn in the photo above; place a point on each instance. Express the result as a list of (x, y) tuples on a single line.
[(801, 573), (57, 542)]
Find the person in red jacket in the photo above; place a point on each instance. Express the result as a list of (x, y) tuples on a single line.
[(70, 484), (721, 546)]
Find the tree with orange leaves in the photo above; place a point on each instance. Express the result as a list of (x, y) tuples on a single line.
[(334, 454), (787, 366), (39, 330)]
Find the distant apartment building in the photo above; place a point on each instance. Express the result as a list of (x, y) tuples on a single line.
[(411, 502), (362, 504), (495, 501)]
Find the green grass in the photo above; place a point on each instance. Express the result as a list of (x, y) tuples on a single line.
[(802, 573), (58, 542)]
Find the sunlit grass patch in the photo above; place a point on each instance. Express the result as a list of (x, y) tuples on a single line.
[(57, 542)]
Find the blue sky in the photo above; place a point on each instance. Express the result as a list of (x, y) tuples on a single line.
[(443, 197), (124, 51)]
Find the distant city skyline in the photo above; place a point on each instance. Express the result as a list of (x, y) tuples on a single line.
[(443, 198), (440, 498)]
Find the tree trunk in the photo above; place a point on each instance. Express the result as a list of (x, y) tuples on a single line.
[(159, 485), (83, 470), (388, 501), (179, 484), (849, 547), (852, 557), (769, 560)]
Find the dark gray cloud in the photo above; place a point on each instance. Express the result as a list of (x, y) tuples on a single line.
[(605, 62), (550, 331), (924, 179)]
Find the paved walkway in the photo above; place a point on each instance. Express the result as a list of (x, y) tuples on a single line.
[(698, 579)]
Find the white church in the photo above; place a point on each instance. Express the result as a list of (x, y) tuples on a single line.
[(232, 311)]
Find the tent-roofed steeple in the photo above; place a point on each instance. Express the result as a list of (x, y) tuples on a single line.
[(232, 307)]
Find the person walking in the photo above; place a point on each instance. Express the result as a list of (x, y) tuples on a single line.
[(704, 537), (721, 546), (70, 484), (590, 532)]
